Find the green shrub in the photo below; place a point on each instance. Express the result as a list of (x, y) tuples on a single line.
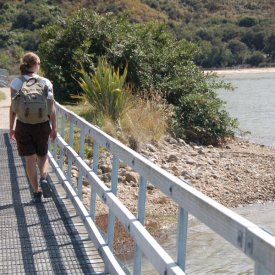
[(105, 89), (256, 58), (248, 22), (200, 118)]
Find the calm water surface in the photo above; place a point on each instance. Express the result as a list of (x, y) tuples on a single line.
[(253, 103), (208, 253)]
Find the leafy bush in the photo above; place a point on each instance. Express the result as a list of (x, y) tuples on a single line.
[(256, 58), (253, 39), (200, 118), (248, 22)]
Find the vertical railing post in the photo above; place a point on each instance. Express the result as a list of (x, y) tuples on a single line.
[(95, 168), (70, 160), (261, 270), (55, 141), (140, 217), (182, 238), (111, 216), (81, 154), (61, 158)]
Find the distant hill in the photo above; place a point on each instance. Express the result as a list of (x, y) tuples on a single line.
[(229, 32)]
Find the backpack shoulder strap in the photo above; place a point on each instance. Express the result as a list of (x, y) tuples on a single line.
[(23, 79)]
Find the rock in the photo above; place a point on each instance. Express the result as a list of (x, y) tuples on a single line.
[(150, 186), (133, 184), (182, 142), (132, 176), (122, 164), (186, 174), (172, 158), (151, 147), (190, 161), (201, 151), (210, 161), (85, 182), (171, 140), (75, 173), (121, 179), (85, 191), (106, 177), (105, 168)]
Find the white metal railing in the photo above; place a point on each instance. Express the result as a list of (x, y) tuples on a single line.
[(254, 242)]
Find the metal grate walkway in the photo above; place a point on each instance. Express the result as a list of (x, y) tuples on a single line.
[(37, 238)]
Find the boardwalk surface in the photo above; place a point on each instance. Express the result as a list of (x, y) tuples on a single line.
[(44, 238)]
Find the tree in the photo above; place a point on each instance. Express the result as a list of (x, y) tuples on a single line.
[(270, 46), (256, 58), (239, 51), (253, 39)]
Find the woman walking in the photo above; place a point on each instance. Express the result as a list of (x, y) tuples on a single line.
[(33, 121)]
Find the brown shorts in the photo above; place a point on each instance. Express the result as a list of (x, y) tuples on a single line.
[(32, 138)]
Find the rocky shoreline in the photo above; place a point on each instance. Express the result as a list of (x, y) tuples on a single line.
[(236, 174)]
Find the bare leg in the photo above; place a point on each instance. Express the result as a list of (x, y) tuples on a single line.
[(31, 171), (43, 167), (42, 163)]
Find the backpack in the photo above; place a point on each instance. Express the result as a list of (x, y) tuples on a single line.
[(31, 103)]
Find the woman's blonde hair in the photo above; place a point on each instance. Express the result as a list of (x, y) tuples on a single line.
[(28, 61)]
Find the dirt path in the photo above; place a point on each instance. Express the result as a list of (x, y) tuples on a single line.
[(4, 109)]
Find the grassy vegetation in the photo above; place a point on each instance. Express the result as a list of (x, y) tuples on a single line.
[(143, 121)]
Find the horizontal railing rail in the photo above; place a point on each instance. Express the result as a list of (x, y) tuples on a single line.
[(254, 242)]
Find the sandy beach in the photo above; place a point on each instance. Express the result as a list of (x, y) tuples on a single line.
[(243, 71)]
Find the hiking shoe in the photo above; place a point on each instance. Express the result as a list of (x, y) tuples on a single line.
[(36, 197), (46, 189)]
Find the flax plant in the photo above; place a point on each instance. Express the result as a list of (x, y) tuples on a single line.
[(105, 89)]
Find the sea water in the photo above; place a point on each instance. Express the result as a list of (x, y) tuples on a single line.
[(253, 104)]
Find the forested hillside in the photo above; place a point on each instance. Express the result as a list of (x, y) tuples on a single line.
[(228, 32)]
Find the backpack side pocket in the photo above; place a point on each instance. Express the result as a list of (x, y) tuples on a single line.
[(15, 102)]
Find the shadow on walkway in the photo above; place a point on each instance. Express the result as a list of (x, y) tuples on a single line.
[(35, 238)]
